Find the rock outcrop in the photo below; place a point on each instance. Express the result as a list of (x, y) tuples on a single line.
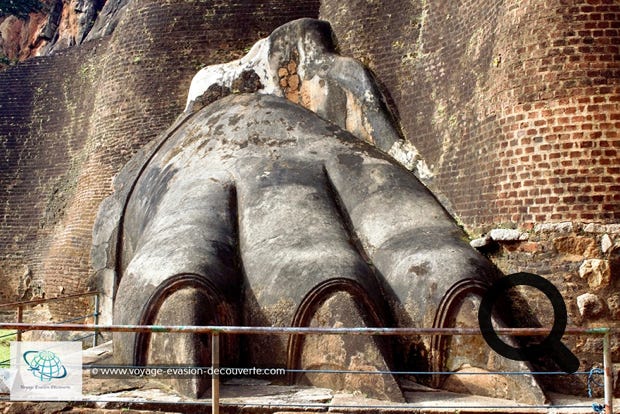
[(58, 25)]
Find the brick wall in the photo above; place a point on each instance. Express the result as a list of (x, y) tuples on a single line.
[(69, 122), (561, 133), (514, 104), (45, 106)]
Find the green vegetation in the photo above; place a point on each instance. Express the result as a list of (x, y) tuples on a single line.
[(20, 8), (4, 60), (6, 336)]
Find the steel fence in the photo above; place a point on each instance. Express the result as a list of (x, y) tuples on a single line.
[(21, 305), (217, 331)]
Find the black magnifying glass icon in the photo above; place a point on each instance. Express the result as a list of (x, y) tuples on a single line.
[(551, 346)]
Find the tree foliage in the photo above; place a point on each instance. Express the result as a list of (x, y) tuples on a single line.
[(20, 8)]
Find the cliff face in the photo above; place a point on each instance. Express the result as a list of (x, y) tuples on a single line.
[(58, 25), (20, 38)]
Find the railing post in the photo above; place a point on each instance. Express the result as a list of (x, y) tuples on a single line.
[(96, 318), (20, 317), (609, 374), (215, 377)]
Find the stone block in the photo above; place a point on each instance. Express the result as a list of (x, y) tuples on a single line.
[(589, 305), (582, 247), (606, 243), (564, 227), (507, 235), (613, 303), (597, 272), (480, 242)]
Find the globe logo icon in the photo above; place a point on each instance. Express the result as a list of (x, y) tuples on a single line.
[(44, 365)]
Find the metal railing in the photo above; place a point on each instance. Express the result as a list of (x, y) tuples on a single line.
[(19, 308), (217, 331)]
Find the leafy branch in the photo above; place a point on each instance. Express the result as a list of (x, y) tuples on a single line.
[(20, 8)]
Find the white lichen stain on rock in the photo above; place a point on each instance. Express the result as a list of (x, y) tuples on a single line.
[(408, 156), (309, 75), (224, 74)]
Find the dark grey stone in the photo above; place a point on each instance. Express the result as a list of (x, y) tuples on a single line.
[(87, 13), (107, 19), (257, 211), (266, 206), (53, 19)]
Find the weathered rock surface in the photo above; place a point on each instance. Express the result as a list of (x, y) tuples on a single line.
[(589, 305), (280, 177), (314, 206), (107, 19), (347, 352), (19, 39), (597, 272), (59, 25), (267, 210), (69, 23), (613, 303), (298, 62)]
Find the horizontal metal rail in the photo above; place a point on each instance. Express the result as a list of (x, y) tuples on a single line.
[(217, 331), (328, 406), (339, 371), (19, 306), (35, 302), (284, 330), (8, 334)]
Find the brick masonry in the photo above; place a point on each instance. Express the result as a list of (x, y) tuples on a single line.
[(513, 104), (46, 107), (70, 121)]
